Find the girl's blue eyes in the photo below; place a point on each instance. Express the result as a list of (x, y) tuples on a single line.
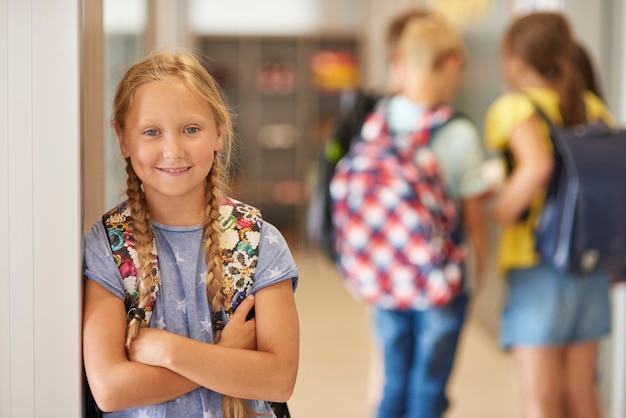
[(190, 130)]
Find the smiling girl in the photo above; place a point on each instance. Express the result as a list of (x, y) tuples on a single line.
[(168, 331)]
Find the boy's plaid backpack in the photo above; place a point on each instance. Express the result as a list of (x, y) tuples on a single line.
[(395, 226), (355, 107)]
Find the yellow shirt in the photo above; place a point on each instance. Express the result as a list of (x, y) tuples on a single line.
[(517, 242)]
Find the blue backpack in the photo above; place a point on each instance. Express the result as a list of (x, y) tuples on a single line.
[(582, 228)]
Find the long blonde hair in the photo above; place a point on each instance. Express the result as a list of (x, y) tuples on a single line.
[(183, 65)]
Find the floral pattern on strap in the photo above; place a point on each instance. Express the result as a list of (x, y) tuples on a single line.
[(239, 241), (119, 226)]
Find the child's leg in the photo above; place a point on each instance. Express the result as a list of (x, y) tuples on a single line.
[(394, 331), (580, 380), (540, 371), (593, 322), (437, 336)]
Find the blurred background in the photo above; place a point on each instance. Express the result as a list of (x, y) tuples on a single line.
[(286, 66)]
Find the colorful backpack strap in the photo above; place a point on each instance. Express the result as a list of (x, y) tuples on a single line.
[(118, 224), (239, 241)]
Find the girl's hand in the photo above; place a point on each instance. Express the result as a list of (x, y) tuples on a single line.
[(239, 332), (150, 346), (154, 346)]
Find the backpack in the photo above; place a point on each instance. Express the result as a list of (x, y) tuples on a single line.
[(582, 228), (239, 241), (396, 228), (319, 225)]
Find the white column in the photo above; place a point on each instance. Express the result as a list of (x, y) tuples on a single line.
[(40, 208), (5, 324), (618, 366), (167, 24), (618, 338), (620, 51), (94, 125)]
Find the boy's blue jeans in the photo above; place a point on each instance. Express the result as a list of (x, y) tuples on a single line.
[(418, 349)]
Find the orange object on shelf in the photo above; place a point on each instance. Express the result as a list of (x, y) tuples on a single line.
[(334, 71)]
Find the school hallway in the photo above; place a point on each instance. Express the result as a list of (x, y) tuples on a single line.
[(334, 375)]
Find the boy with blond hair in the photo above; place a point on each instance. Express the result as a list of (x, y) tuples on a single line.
[(400, 239)]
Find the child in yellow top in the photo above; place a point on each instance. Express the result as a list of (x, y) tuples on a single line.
[(517, 247), (551, 321)]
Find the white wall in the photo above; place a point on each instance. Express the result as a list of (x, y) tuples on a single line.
[(275, 17), (618, 52), (40, 201), (40, 208)]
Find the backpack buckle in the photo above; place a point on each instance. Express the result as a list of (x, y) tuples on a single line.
[(218, 321), (136, 313)]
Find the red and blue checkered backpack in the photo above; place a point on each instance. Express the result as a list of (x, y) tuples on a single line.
[(396, 228)]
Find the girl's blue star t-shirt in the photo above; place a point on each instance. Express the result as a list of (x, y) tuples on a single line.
[(181, 304)]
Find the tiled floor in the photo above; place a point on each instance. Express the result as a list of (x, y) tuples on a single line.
[(334, 379)]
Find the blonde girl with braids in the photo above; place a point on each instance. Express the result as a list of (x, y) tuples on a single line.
[(552, 322), (170, 358)]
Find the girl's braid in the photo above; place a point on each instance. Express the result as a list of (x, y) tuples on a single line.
[(231, 407), (142, 233), (212, 247)]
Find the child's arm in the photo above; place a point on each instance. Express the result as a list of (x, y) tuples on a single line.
[(475, 227), (533, 167), (268, 373), (118, 383)]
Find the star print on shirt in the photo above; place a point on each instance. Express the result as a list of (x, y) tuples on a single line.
[(160, 323), (181, 305), (206, 325), (143, 414), (275, 272), (272, 238), (179, 259), (208, 414), (202, 281)]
